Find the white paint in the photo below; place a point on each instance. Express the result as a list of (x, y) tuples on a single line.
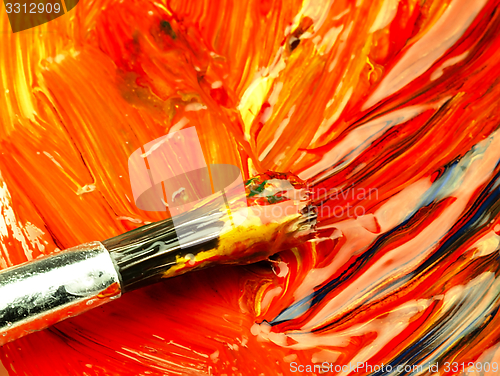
[(53, 160), (178, 193), (85, 189), (359, 139), (195, 107), (130, 219), (29, 236), (216, 84), (448, 63), (447, 30)]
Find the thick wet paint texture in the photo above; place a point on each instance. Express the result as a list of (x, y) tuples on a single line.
[(388, 110)]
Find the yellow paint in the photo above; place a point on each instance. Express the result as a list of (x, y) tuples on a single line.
[(250, 233)]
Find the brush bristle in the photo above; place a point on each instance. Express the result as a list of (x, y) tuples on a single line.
[(144, 255), (170, 247)]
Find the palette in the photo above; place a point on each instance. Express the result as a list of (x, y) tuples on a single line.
[(387, 110)]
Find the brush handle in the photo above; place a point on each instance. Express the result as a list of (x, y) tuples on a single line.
[(40, 293)]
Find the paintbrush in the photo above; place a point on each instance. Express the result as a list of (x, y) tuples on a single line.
[(276, 215)]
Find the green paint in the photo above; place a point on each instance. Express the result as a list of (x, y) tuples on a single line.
[(167, 28)]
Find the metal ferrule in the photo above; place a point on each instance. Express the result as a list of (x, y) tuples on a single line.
[(40, 293)]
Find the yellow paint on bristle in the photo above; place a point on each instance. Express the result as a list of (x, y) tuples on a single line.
[(251, 232)]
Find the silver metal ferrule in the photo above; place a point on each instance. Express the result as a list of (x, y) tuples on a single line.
[(40, 293)]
